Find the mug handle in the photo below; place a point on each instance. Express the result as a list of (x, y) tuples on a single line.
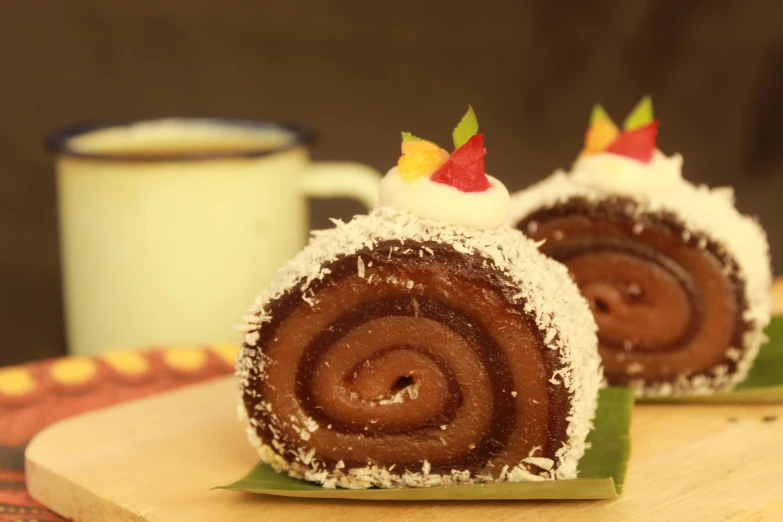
[(328, 179)]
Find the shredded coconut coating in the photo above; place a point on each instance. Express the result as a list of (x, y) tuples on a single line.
[(701, 210), (550, 296)]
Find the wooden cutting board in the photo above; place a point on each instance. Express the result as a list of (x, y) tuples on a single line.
[(156, 459)]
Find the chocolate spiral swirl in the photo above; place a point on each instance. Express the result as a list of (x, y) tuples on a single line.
[(409, 353), (666, 301)]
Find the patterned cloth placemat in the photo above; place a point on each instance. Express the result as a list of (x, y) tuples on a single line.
[(36, 395)]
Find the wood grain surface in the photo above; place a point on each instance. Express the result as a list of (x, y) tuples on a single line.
[(156, 460)]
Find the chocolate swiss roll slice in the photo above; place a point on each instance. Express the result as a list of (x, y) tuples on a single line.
[(678, 280), (422, 344)]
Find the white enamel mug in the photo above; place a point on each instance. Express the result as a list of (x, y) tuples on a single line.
[(169, 228)]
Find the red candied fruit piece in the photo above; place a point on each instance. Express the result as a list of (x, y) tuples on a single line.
[(464, 170), (638, 144)]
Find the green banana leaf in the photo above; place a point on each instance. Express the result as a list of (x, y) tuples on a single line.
[(601, 471), (764, 383)]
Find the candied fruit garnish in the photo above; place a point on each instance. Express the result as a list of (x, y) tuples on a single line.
[(420, 159), (638, 144), (640, 116), (599, 136), (464, 169)]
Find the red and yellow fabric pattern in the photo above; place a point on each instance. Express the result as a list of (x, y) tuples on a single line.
[(36, 395)]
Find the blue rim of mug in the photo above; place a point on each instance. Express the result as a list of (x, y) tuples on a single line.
[(58, 141)]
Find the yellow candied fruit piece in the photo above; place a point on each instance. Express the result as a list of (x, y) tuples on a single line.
[(420, 159), (599, 136)]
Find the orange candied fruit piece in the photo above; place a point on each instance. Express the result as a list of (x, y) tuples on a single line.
[(420, 159), (599, 136)]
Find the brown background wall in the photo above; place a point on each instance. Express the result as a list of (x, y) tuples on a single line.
[(358, 72)]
